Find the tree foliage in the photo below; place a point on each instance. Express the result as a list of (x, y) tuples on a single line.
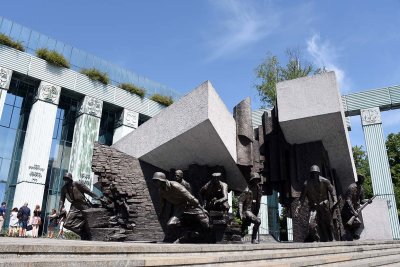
[(393, 151), (270, 72), (362, 167)]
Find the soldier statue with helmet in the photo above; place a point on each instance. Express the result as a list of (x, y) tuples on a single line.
[(316, 189), (249, 205)]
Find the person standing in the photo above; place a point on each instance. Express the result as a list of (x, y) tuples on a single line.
[(2, 215), (36, 221), (53, 223), (24, 214), (13, 226), (61, 219)]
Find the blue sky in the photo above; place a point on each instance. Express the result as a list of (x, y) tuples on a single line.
[(183, 43)]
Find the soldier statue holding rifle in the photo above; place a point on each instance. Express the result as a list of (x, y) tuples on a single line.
[(316, 189), (354, 203)]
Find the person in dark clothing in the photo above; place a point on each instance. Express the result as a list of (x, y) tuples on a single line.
[(249, 205), (24, 215), (75, 192), (354, 197), (187, 209)]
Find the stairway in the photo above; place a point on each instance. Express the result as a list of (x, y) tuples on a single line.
[(45, 252)]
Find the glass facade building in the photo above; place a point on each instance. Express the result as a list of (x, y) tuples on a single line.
[(26, 84)]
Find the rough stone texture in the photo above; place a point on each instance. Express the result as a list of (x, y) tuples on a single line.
[(197, 129), (310, 109), (376, 221), (132, 179), (244, 131)]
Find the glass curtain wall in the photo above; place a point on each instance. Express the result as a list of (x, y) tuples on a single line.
[(13, 124), (107, 125), (59, 154)]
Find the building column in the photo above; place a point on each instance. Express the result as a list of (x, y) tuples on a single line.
[(263, 215), (5, 79), (379, 163), (127, 122), (86, 132), (289, 224), (36, 151)]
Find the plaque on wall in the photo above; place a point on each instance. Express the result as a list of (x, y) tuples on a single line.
[(370, 116)]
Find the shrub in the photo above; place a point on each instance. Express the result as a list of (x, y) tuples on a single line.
[(52, 57), (7, 41), (133, 89), (162, 99), (96, 75)]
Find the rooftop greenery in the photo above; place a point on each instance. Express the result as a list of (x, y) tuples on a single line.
[(162, 99), (7, 41), (133, 89), (96, 75), (53, 57)]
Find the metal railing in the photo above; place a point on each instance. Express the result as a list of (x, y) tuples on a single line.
[(32, 40)]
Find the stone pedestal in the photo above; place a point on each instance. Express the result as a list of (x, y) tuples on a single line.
[(128, 121), (379, 163), (86, 132), (36, 151), (5, 79), (376, 221)]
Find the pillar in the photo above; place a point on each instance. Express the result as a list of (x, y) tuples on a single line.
[(127, 122), (289, 223), (36, 151), (379, 163), (5, 79), (86, 132), (230, 201), (263, 215)]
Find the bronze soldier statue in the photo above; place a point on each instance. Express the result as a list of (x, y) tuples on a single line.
[(316, 189), (249, 205), (75, 192), (179, 179), (354, 198), (187, 210), (214, 194)]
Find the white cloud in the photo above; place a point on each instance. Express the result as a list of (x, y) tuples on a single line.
[(240, 24), (325, 55)]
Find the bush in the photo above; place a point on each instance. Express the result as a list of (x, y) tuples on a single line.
[(162, 99), (7, 41), (52, 57), (133, 89), (96, 75)]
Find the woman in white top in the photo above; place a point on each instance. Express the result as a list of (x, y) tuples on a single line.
[(13, 227)]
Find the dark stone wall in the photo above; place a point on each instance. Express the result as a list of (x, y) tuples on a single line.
[(133, 180)]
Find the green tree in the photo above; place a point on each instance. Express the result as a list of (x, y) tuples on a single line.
[(393, 151), (270, 72), (362, 167)]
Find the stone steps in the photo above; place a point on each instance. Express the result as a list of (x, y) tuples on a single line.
[(44, 252)]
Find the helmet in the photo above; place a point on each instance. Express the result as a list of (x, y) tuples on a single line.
[(314, 168), (68, 175), (159, 176), (216, 175), (255, 175)]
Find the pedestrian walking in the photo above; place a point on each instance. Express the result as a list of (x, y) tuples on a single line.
[(61, 219)]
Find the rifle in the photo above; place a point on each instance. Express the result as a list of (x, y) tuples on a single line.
[(351, 220)]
